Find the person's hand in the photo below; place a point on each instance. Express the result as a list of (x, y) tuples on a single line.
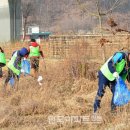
[(22, 70), (24, 58), (1, 49), (42, 58), (116, 75), (18, 76)]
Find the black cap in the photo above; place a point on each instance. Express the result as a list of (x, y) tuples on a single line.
[(33, 40)]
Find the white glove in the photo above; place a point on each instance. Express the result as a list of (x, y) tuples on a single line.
[(116, 75), (22, 71), (24, 58)]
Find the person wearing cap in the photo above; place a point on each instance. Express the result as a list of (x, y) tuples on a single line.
[(14, 65), (35, 52), (2, 61), (117, 65)]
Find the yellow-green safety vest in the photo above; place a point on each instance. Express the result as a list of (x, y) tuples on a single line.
[(2, 58), (34, 51), (118, 66), (11, 64)]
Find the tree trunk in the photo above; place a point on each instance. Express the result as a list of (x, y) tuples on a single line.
[(24, 30)]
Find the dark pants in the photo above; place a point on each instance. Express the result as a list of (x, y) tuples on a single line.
[(1, 73), (1, 65), (10, 75), (102, 83), (34, 63)]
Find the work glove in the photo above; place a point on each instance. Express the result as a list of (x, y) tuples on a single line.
[(22, 70), (116, 75), (24, 58)]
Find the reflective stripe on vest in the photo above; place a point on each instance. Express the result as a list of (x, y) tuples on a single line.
[(34, 51), (2, 58), (11, 64), (106, 72)]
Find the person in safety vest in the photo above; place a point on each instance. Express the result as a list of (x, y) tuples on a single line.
[(117, 65), (14, 65), (35, 52), (2, 61)]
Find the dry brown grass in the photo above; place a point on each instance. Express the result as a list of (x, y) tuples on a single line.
[(68, 89)]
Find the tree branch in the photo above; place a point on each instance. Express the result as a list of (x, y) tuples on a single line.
[(97, 6), (84, 9), (115, 5)]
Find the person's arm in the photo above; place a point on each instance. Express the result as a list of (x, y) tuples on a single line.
[(41, 52), (29, 49), (115, 59), (128, 77), (128, 71), (17, 62), (1, 50)]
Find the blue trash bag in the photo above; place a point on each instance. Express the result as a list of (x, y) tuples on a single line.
[(121, 94), (12, 82), (26, 68)]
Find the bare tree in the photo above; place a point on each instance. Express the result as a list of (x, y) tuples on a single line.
[(27, 12), (99, 13)]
